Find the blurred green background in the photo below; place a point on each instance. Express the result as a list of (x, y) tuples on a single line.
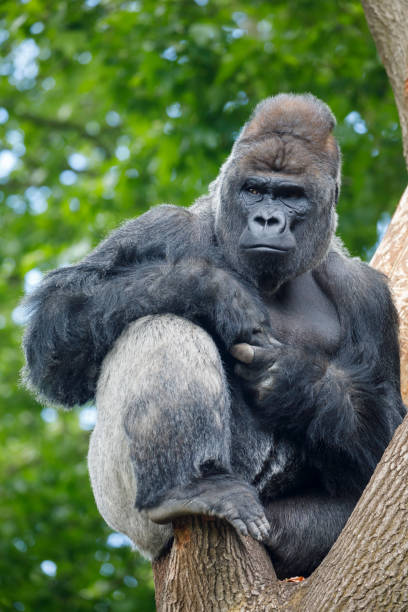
[(107, 108)]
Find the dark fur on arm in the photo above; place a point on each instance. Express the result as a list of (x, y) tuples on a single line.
[(343, 414), (343, 411), (78, 312)]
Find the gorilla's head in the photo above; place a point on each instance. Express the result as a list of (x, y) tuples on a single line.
[(276, 193)]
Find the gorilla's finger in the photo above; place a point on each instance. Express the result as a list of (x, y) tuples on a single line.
[(265, 528), (260, 337), (243, 352), (265, 387), (243, 372), (259, 528), (255, 356), (254, 531), (264, 338), (239, 526), (265, 356)]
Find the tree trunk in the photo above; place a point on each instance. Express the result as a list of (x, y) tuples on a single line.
[(211, 567), (391, 258), (388, 23)]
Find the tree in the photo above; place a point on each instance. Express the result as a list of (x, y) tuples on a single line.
[(212, 567)]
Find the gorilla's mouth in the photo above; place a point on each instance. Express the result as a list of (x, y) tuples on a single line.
[(264, 248)]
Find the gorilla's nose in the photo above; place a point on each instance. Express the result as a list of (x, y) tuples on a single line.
[(267, 220)]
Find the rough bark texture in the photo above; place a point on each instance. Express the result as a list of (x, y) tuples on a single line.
[(388, 23), (211, 568), (391, 258)]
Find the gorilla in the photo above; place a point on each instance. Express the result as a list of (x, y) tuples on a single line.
[(243, 365)]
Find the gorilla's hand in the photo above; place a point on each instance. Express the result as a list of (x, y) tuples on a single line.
[(258, 366), (286, 385), (244, 320), (230, 305), (264, 370)]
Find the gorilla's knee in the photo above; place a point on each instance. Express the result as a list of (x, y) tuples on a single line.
[(162, 365), (163, 385)]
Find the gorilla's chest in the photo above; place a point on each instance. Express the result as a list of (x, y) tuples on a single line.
[(301, 314)]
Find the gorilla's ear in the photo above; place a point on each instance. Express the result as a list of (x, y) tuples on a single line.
[(301, 116), (337, 193)]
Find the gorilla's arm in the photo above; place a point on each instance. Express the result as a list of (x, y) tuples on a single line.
[(342, 410), (159, 263)]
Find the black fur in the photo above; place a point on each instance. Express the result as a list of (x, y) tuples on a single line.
[(342, 408), (333, 400), (161, 262)]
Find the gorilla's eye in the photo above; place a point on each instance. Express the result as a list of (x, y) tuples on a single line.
[(254, 191)]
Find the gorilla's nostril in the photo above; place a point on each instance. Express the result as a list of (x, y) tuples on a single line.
[(268, 222), (261, 221)]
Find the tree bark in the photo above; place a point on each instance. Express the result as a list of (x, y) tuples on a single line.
[(211, 567), (391, 258), (388, 23)]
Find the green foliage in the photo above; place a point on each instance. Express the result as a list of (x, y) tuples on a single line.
[(108, 107)]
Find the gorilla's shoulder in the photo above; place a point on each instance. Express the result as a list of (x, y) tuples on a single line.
[(363, 288), (159, 219), (163, 232), (356, 272)]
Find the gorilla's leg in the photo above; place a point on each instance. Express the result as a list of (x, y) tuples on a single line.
[(303, 529), (162, 436)]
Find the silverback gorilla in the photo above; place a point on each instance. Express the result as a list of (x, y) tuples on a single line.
[(243, 365)]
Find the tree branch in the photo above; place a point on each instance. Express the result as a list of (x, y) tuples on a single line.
[(212, 567)]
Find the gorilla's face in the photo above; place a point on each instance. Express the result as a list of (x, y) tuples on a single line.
[(274, 226), (275, 211), (275, 208)]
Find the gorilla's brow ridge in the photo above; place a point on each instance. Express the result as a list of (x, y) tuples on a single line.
[(266, 135)]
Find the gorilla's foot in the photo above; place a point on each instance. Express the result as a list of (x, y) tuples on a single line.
[(218, 495)]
